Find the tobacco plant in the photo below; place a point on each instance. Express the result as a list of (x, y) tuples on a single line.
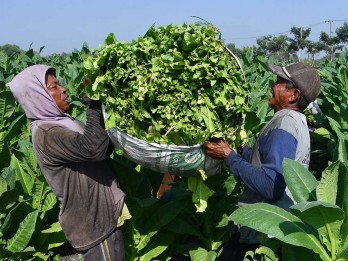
[(318, 221)]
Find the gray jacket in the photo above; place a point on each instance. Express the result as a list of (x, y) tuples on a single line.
[(77, 168), (74, 160)]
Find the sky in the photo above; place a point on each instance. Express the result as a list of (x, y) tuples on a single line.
[(64, 25)]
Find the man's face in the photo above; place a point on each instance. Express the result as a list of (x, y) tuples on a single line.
[(280, 97), (58, 93)]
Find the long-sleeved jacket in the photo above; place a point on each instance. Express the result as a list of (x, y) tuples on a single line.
[(73, 158), (77, 168)]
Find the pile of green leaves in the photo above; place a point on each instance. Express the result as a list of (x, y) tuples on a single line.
[(176, 85)]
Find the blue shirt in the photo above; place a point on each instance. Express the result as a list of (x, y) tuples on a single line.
[(286, 135), (267, 179)]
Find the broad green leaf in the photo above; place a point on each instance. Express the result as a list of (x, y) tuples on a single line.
[(72, 72), (295, 253), (28, 254), (8, 199), (230, 185), (326, 218), (88, 64), (251, 120), (202, 254), (16, 214), (300, 181), (25, 164), (30, 53), (208, 118), (9, 174), (342, 150), (343, 76), (322, 131), (7, 105), (250, 255), (49, 202), (267, 253), (336, 127), (327, 188), (32, 161), (3, 185), (14, 128), (164, 214), (157, 246), (51, 238), (5, 154), (183, 226), (343, 255), (25, 179), (41, 256), (224, 221), (56, 239), (144, 240), (263, 110), (279, 223), (342, 199), (55, 227), (201, 193), (38, 192), (344, 116), (215, 245), (146, 202), (26, 228), (4, 253)]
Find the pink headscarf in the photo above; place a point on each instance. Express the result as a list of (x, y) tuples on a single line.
[(30, 90)]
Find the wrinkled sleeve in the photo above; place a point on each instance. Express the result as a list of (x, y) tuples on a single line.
[(267, 180), (246, 153), (65, 145)]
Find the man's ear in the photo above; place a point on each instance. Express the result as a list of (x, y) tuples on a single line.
[(295, 95)]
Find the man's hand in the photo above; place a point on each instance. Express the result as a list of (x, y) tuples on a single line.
[(219, 149)]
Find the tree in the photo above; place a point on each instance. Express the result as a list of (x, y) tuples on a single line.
[(299, 42), (330, 44), (342, 33), (10, 49), (232, 47), (314, 48), (275, 46)]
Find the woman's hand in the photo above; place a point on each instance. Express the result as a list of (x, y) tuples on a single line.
[(86, 81)]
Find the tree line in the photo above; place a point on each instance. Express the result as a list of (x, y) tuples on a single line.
[(283, 47)]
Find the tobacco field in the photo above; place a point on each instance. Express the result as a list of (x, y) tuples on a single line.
[(193, 219)]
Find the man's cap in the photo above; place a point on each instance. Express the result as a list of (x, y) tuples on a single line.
[(304, 77)]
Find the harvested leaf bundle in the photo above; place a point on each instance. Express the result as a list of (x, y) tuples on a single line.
[(176, 85)]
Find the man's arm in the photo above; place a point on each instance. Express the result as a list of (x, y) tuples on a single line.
[(267, 179)]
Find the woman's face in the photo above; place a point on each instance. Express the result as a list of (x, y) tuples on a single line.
[(58, 93)]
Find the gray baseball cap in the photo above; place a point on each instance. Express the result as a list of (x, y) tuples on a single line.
[(304, 77)]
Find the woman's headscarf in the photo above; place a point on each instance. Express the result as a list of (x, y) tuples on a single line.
[(30, 90)]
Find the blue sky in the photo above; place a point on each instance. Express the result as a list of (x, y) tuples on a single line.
[(64, 25)]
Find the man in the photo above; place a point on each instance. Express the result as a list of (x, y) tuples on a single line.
[(286, 135), (74, 158)]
